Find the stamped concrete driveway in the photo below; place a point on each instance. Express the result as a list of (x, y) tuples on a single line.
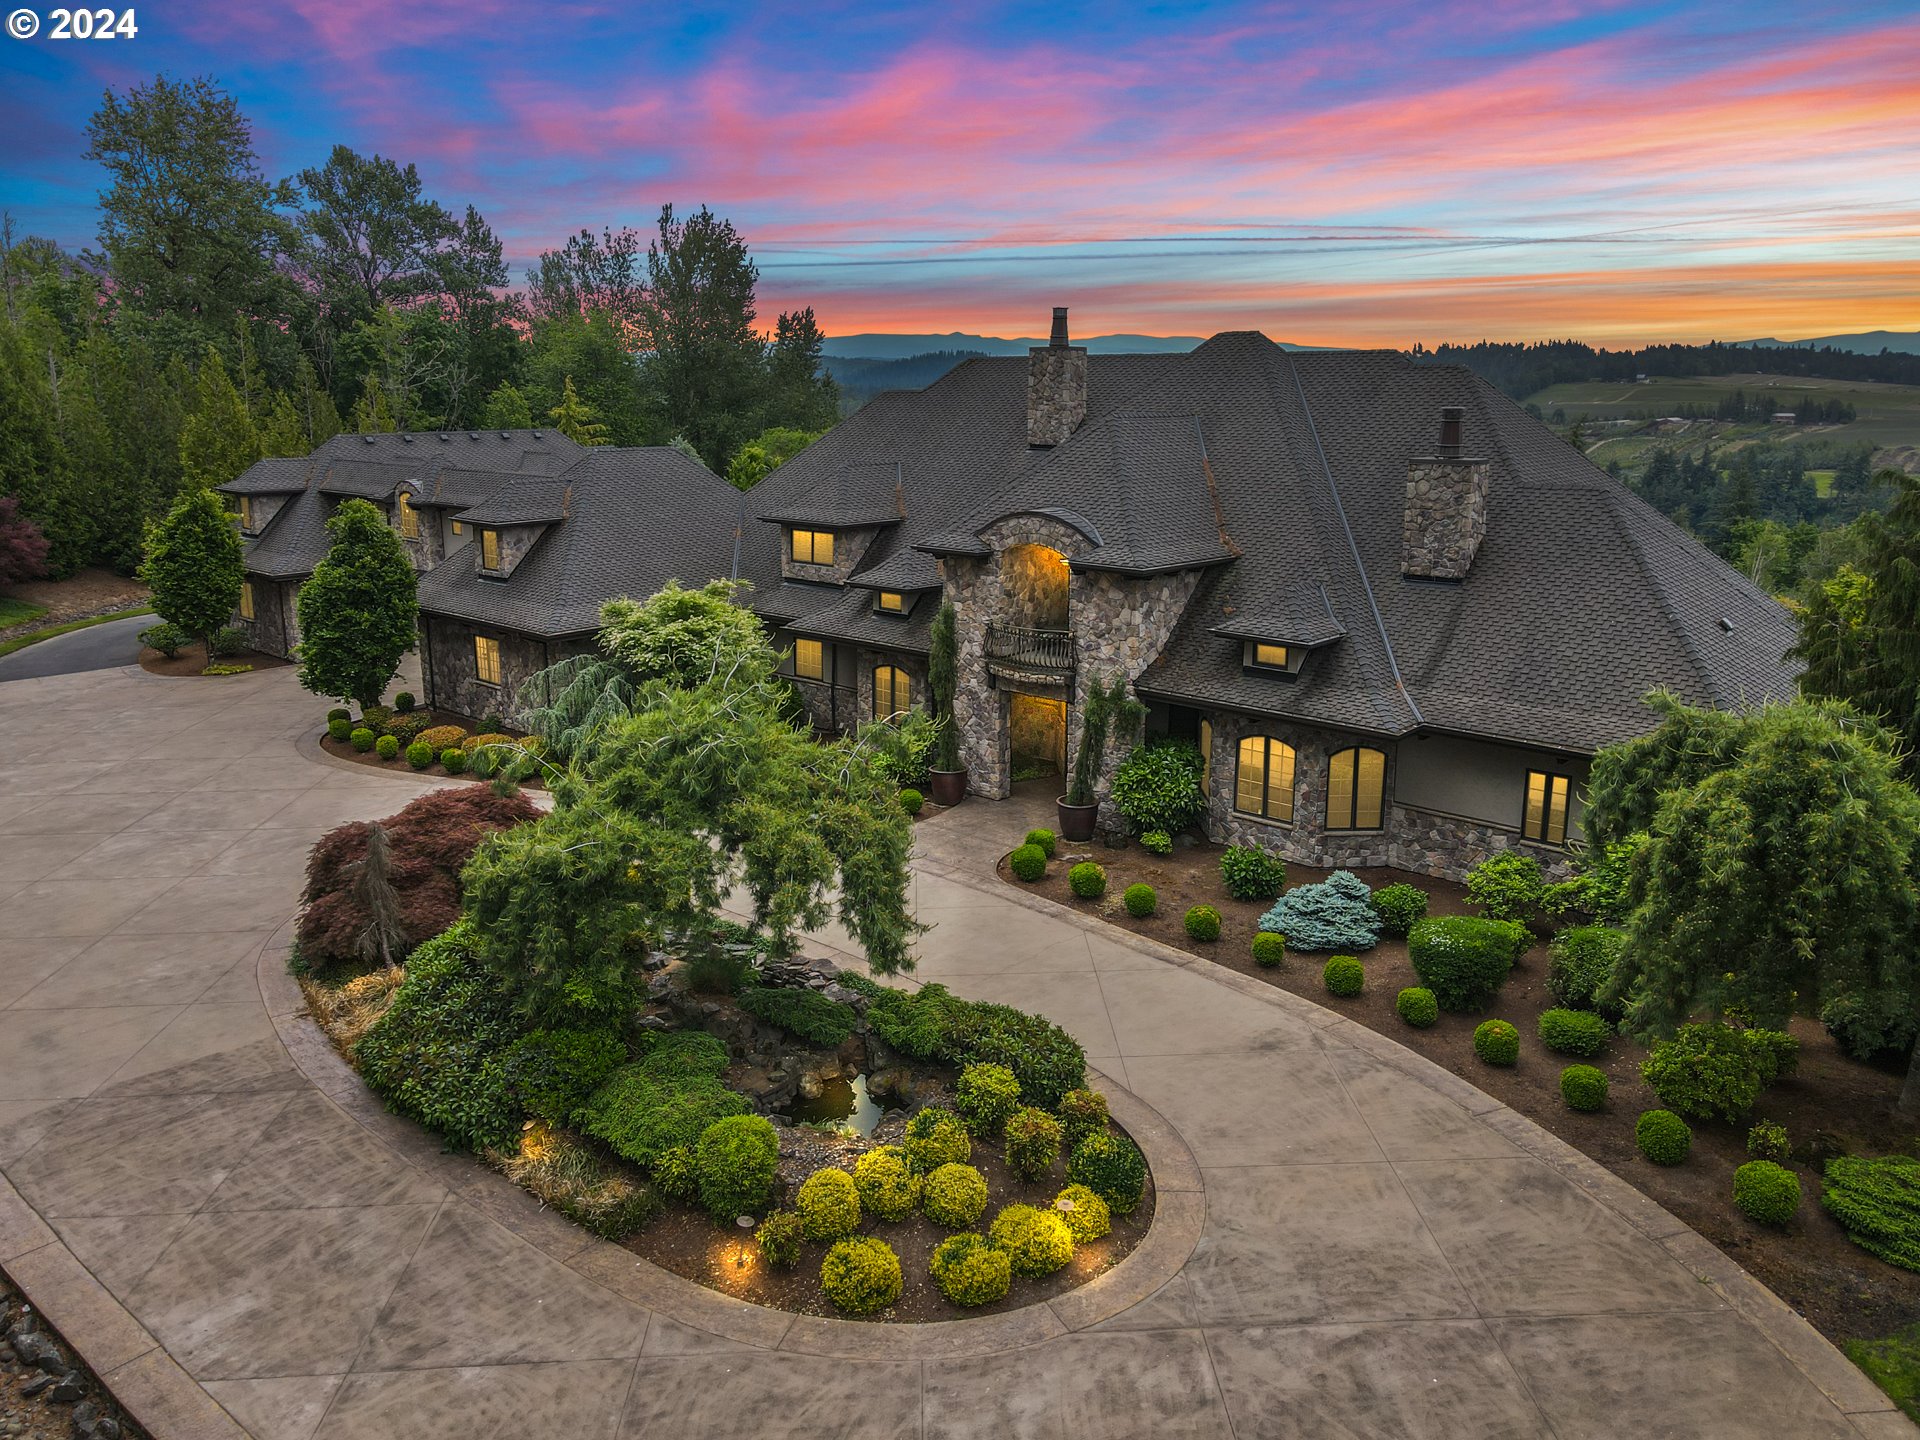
[(242, 1244)]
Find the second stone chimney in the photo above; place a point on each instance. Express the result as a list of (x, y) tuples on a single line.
[(1446, 515), (1056, 386)]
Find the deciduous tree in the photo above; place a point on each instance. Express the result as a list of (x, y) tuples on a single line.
[(358, 611), (193, 565)]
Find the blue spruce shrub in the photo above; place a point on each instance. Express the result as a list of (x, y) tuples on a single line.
[(1336, 914)]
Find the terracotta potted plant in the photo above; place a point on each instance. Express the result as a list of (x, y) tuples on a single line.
[(947, 778), (1107, 701)]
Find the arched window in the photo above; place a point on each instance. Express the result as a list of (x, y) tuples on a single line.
[(892, 691), (1356, 788), (1263, 778)]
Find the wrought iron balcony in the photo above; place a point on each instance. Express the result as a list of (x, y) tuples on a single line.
[(1022, 647)]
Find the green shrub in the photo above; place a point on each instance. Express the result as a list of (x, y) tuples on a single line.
[(386, 747), (1157, 787), (339, 730), (1086, 1213), (409, 728), (971, 1271), (1878, 1203), (562, 1172), (1037, 1242), (985, 1096), (1336, 914), (1768, 1141), (1045, 839), (1663, 1137), (453, 760), (1156, 842), (735, 1165), (1399, 906), (419, 756), (1032, 1141), (552, 1072), (1580, 964), (169, 639), (375, 717), (936, 1137), (403, 702), (1507, 886), (241, 669), (912, 800), (1584, 1087), (1203, 923), (1344, 976), (1464, 959), (861, 1275), (339, 712), (1252, 873), (804, 1013), (1496, 1042), (1718, 1069), (1139, 900), (672, 1172), (668, 1097), (889, 1190), (226, 642), (1574, 1032), (361, 739), (1766, 1192), (1087, 880), (829, 1205), (1113, 1168), (1417, 1006), (779, 1237), (932, 1023), (954, 1196), (1083, 1112), (483, 762), (1867, 1031), (1028, 863), (1269, 949)]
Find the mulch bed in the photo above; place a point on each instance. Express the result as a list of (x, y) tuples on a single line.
[(192, 659), (1832, 1104), (343, 750)]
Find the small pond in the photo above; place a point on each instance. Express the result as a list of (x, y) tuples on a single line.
[(844, 1101)]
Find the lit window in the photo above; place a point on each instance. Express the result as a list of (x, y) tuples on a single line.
[(809, 659), (246, 512), (486, 659), (1263, 780), (458, 528), (892, 601), (892, 691), (1272, 656), (813, 547), (1356, 789), (1545, 818), (246, 600), (1206, 757), (409, 518), (489, 549)]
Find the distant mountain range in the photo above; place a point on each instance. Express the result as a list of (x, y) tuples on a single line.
[(902, 347), (1872, 342)]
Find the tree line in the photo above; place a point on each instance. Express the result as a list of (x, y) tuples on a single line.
[(222, 316), (1525, 368)]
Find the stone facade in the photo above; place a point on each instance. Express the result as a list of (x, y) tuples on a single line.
[(849, 549), (275, 627), (1056, 392), (843, 700), (515, 542), (263, 508), (424, 549), (1446, 517), (452, 681)]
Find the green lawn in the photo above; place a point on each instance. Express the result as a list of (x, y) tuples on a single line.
[(1886, 415), (1894, 1365), (16, 612), (20, 642)]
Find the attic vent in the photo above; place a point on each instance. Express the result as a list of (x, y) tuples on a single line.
[(536, 434), (473, 434), (1726, 625), (406, 439), (504, 435), (367, 438), (444, 437)]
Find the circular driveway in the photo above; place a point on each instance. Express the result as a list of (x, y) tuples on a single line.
[(217, 1214), (97, 647)]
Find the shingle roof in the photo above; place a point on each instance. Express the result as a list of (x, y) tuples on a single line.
[(635, 519), (523, 500), (854, 495), (1301, 615), (274, 476), (294, 540)]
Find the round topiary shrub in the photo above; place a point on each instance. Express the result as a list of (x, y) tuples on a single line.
[(1250, 873), (1086, 1213), (735, 1165), (419, 756), (936, 1137), (1573, 1032), (911, 800), (1033, 1142), (1045, 839), (339, 712), (672, 1172), (1464, 959), (1269, 949), (1496, 1042), (888, 1188), (1037, 1242), (453, 760), (954, 1196), (1083, 1112), (339, 728), (1766, 1192), (1768, 1141), (1203, 923), (985, 1096), (829, 1204), (861, 1275), (1663, 1137), (1113, 1168), (1584, 1087), (403, 703), (1028, 863), (362, 739), (1344, 976), (386, 747), (1417, 1006), (779, 1237), (1400, 907), (1087, 880), (1139, 900), (970, 1270)]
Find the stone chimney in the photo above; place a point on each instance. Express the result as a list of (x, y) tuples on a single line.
[(1056, 386), (1446, 517)]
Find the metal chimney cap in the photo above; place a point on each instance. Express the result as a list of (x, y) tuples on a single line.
[(1058, 341)]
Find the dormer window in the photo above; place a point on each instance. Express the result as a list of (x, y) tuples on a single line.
[(1271, 655), (891, 602), (812, 547), (409, 517), (489, 549), (1269, 658)]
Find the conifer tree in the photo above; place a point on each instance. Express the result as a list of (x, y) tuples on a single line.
[(358, 611), (219, 440), (193, 565), (574, 418)]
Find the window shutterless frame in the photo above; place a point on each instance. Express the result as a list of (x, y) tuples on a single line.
[(1263, 778), (892, 691), (486, 659), (809, 659), (1356, 788), (1543, 815), (812, 547)]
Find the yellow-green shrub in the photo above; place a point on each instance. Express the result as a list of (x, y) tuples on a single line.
[(970, 1271), (829, 1204), (1086, 1213), (954, 1196), (861, 1275), (1037, 1242), (888, 1189)]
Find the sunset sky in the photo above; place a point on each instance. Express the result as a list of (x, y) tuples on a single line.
[(1366, 173)]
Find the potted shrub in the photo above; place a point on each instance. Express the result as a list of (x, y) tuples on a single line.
[(947, 777), (1107, 701)]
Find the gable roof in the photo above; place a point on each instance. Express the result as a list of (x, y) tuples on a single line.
[(272, 476)]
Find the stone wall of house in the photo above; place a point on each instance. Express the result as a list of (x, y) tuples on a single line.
[(275, 627), (264, 508), (425, 548), (867, 661), (1056, 392), (1037, 587), (515, 542), (1445, 518), (452, 677), (849, 548)]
